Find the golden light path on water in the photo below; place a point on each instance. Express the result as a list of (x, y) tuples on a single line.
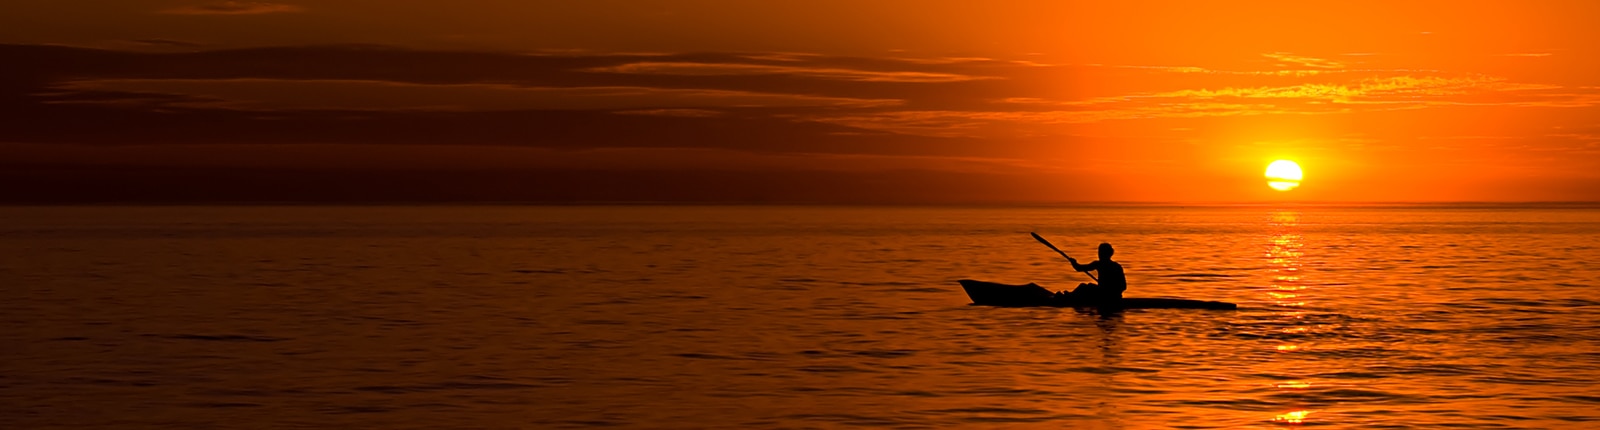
[(1283, 253)]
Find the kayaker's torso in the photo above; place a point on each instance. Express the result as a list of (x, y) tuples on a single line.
[(1111, 278)]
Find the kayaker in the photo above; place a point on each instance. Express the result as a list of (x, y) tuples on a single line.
[(1112, 281)]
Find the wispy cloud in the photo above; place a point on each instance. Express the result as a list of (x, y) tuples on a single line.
[(730, 69), (781, 56), (1377, 93), (165, 43), (1371, 89), (235, 8), (447, 156), (1202, 70), (1304, 61), (944, 60), (681, 113), (980, 123), (940, 97), (286, 94)]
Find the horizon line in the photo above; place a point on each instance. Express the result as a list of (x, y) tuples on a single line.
[(1463, 203)]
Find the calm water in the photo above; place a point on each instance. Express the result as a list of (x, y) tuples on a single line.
[(766, 317)]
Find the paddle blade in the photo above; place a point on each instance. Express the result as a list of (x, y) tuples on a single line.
[(1039, 238)]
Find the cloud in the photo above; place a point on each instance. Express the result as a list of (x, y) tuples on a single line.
[(782, 56), (946, 60), (235, 8), (998, 123), (1304, 61), (1375, 93), (1371, 89), (170, 43), (462, 157), (1402, 89), (682, 113), (1202, 70), (941, 97), (727, 69), (374, 95)]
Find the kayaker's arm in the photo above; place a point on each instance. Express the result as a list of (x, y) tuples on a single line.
[(1080, 267)]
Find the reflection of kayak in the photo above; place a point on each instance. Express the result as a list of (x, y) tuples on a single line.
[(992, 294)]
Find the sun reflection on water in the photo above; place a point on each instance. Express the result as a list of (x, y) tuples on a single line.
[(1283, 254), (1295, 417), (1287, 291)]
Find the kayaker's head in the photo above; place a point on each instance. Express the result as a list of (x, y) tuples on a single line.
[(1105, 251)]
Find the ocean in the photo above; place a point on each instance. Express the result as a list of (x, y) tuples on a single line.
[(1386, 316)]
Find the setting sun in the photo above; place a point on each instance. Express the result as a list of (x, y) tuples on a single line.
[(1283, 175)]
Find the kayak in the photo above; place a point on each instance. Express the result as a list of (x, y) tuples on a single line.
[(992, 294)]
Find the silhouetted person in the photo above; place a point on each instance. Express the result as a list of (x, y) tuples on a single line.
[(1112, 281)]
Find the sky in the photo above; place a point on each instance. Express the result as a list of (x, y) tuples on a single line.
[(815, 101)]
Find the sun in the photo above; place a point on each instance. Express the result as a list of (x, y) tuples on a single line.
[(1283, 175)]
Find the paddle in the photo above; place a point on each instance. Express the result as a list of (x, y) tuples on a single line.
[(1036, 236)]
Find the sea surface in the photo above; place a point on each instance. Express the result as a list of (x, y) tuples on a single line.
[(1353, 317)]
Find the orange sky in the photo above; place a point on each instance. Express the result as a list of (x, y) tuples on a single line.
[(798, 101)]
